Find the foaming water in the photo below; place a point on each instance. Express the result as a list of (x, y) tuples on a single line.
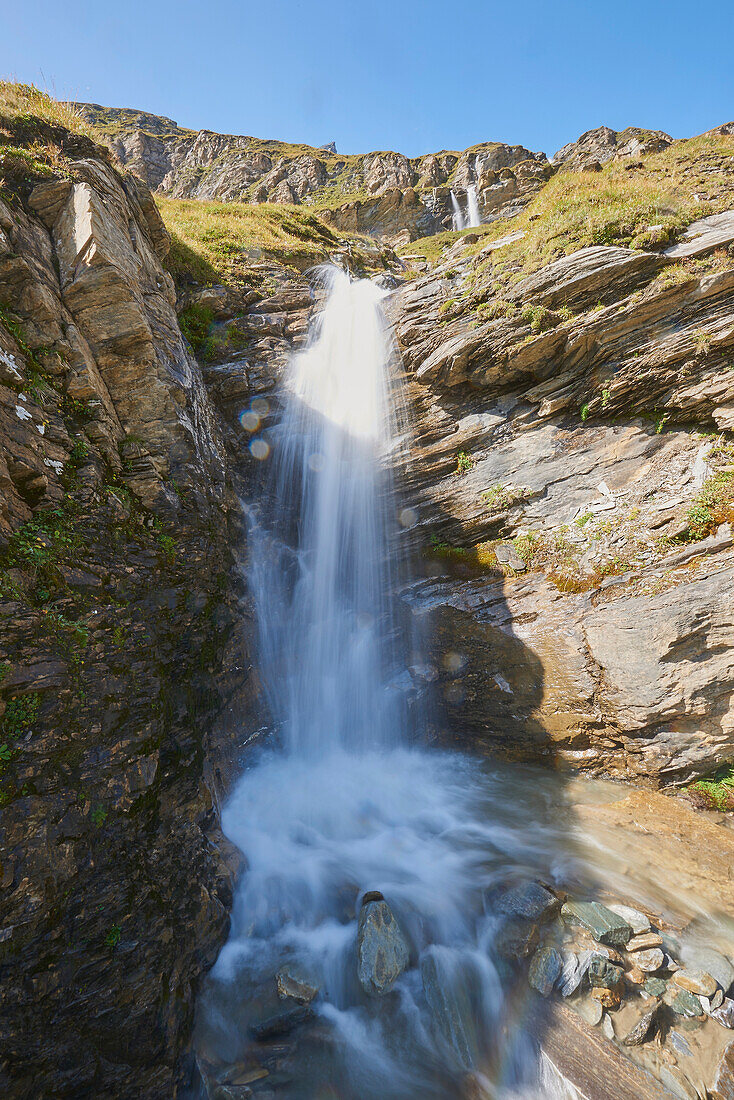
[(470, 218), (472, 206), (349, 804)]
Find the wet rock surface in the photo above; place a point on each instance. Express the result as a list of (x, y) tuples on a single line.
[(382, 950)]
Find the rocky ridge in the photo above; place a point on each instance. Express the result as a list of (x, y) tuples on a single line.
[(383, 194)]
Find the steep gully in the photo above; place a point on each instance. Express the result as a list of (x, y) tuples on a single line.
[(386, 891), (103, 822)]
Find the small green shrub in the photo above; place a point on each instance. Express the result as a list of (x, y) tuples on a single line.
[(195, 323), (499, 498), (112, 938), (464, 462), (712, 506)]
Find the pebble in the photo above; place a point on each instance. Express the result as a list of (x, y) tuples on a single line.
[(644, 941), (649, 960), (590, 1010), (696, 981), (686, 1003), (603, 973), (710, 960), (635, 975), (637, 921), (641, 1031), (608, 998), (655, 986), (607, 1026)]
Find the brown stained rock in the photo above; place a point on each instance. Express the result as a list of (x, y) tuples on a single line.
[(695, 981), (610, 999), (644, 941)]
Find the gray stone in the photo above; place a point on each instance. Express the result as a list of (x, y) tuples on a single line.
[(686, 1004), (703, 236), (517, 939), (637, 921), (603, 924), (506, 554), (545, 970), (294, 983), (642, 1029), (649, 961), (607, 1026), (707, 958), (530, 901), (655, 986), (382, 951), (589, 1009), (604, 974)]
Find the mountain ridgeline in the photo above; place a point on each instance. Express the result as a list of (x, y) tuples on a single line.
[(384, 194)]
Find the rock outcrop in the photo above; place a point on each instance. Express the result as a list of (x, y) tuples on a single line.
[(578, 439), (598, 146), (118, 601), (383, 194)]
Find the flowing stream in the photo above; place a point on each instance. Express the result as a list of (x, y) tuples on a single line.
[(347, 799)]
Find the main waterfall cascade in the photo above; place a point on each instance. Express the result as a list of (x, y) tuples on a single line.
[(347, 802)]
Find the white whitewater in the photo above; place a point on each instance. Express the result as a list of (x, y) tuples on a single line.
[(472, 206), (458, 217), (472, 217), (344, 804)]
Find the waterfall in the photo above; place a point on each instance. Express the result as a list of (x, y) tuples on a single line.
[(472, 217), (344, 804), (458, 217), (472, 206), (325, 598)]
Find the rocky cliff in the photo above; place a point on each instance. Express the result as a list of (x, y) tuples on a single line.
[(572, 479), (117, 602), (383, 194), (573, 471)]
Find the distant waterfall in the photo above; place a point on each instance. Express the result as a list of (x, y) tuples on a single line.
[(472, 216), (472, 206)]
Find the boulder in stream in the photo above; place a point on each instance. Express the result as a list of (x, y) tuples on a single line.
[(382, 951), (545, 970), (604, 924)]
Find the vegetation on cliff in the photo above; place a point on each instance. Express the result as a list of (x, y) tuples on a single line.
[(217, 242)]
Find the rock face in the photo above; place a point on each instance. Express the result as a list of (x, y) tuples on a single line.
[(383, 194), (596, 147), (575, 402), (117, 604)]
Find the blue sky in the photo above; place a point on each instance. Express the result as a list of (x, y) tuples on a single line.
[(408, 75)]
